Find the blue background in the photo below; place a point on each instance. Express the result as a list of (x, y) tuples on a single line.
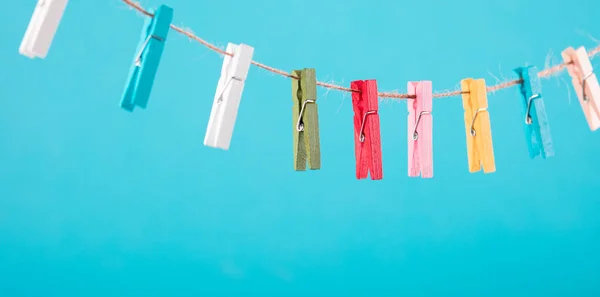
[(96, 201)]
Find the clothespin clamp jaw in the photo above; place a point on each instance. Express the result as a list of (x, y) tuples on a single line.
[(367, 138), (146, 60), (306, 141), (228, 95), (480, 149), (586, 85)]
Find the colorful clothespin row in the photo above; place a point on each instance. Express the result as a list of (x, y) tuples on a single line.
[(420, 129), (585, 84), (305, 119), (367, 138), (146, 59), (480, 149), (535, 121), (228, 95), (42, 28)]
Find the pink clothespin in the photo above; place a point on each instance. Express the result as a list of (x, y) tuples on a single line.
[(367, 138), (585, 84), (420, 129)]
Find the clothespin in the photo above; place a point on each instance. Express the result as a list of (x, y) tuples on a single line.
[(480, 149), (146, 59), (585, 84), (367, 139), (305, 119), (420, 129), (42, 28), (227, 98), (537, 129)]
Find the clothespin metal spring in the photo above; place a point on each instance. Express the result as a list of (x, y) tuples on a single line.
[(138, 59), (362, 126), (415, 133), (473, 132), (225, 88), (299, 124), (585, 77), (528, 120)]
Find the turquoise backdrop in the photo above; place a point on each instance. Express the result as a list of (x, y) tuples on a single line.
[(97, 201)]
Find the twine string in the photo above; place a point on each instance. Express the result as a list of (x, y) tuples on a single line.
[(390, 95)]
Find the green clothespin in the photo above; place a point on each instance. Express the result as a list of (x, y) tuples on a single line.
[(305, 119)]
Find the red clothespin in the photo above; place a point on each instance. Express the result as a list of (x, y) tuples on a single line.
[(367, 139)]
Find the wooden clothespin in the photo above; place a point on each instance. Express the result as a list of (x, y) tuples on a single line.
[(420, 129), (42, 28), (227, 98), (305, 120), (535, 121), (480, 149), (146, 59), (367, 139), (585, 84)]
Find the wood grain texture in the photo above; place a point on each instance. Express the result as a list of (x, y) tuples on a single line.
[(310, 118), (472, 157), (480, 150), (483, 123), (300, 154), (420, 153), (537, 133), (306, 143), (367, 153)]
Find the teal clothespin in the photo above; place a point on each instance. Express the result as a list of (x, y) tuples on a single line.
[(537, 130), (146, 60)]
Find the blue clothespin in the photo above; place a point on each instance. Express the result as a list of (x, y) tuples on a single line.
[(146, 60), (537, 130)]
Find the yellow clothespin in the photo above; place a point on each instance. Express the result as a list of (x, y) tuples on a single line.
[(305, 120), (480, 149)]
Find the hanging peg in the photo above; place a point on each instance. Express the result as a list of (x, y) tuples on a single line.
[(146, 59), (420, 129), (535, 121), (367, 139), (228, 95), (585, 84), (305, 120), (42, 28), (480, 150)]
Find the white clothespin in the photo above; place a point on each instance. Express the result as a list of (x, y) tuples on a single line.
[(228, 95), (42, 27)]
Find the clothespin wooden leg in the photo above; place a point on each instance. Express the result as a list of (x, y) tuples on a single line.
[(299, 146)]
